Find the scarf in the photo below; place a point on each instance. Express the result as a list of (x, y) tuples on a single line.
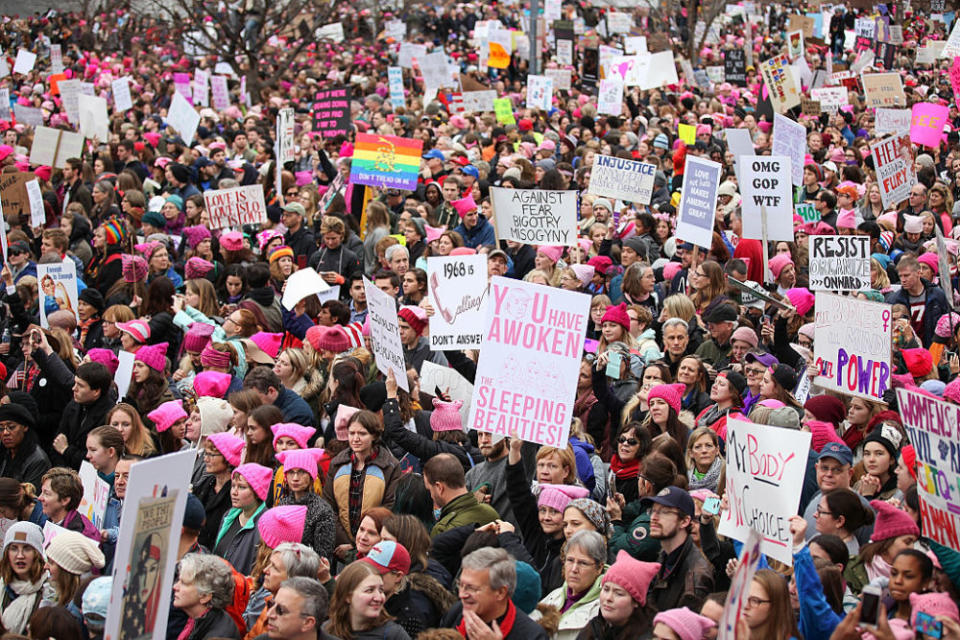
[(853, 436), (877, 568), (84, 327), (584, 402), (505, 623), (17, 613), (624, 471), (708, 480)]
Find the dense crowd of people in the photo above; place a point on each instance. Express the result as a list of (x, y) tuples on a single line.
[(326, 501)]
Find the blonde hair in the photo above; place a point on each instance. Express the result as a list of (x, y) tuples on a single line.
[(679, 305)]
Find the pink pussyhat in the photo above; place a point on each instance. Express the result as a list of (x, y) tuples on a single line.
[(269, 342), (464, 206), (446, 415), (550, 251), (297, 432), (257, 476), (167, 414), (304, 459), (229, 445), (282, 524), (212, 384), (154, 356), (341, 423)]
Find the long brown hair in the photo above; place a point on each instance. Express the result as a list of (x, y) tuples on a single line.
[(140, 443), (781, 622), (6, 570), (264, 416), (347, 582)]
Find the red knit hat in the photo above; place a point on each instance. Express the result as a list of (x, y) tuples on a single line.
[(909, 457), (891, 522), (826, 408), (333, 338), (617, 314), (672, 394), (919, 361), (415, 317)]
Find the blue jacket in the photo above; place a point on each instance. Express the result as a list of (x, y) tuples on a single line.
[(817, 619), (294, 408), (479, 235), (581, 453)]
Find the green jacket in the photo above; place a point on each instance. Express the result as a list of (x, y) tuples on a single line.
[(635, 538), (463, 510)]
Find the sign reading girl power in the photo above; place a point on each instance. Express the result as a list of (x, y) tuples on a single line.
[(527, 374), (852, 345)]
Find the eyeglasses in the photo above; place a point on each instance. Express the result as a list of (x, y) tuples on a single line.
[(212, 454), (628, 441), (470, 589), (660, 512), (752, 371), (753, 601), (281, 610), (579, 564), (833, 471), (821, 512), (9, 426)]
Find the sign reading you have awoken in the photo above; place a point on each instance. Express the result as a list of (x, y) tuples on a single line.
[(535, 216)]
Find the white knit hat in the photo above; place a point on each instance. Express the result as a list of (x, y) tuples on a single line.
[(24, 533), (75, 553)]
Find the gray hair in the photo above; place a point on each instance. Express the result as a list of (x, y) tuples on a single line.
[(392, 249), (675, 322), (316, 601), (591, 543), (210, 575), (299, 559), (502, 566)]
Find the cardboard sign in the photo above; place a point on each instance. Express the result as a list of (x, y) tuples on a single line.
[(839, 263), (810, 107), (386, 161), (96, 494), (790, 139), (804, 24), (13, 192), (627, 180), (57, 285), (526, 381), (767, 183), (458, 291), (765, 468), (926, 123), (883, 90), (696, 212), (331, 112), (892, 121), (147, 545), (385, 333), (932, 427), (183, 118), (781, 84), (735, 67), (852, 345), (236, 206), (562, 78), (535, 216), (894, 164)]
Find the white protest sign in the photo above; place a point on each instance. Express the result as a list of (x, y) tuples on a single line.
[(301, 284), (696, 212), (332, 31), (235, 206), (619, 22), (830, 98), (539, 92), (781, 83), (71, 146), (433, 377), (219, 92), (396, 29), (4, 102), (3, 238), (183, 117), (457, 287), (31, 116), (565, 51), (740, 145), (147, 546), (24, 62), (892, 121), (56, 58), (552, 10), (931, 50), (839, 263), (627, 180), (434, 70), (739, 589), (635, 44), (662, 70), (201, 87), (766, 183), (561, 78), (410, 52), (285, 127), (94, 121), (765, 468), (610, 97), (851, 348), (535, 216), (385, 333), (893, 161), (38, 215), (57, 284), (4, 67), (124, 374), (395, 80), (526, 379), (122, 100), (790, 139), (474, 101), (951, 48), (96, 493), (44, 149), (632, 70)]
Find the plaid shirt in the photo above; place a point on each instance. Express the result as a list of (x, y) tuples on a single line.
[(356, 490)]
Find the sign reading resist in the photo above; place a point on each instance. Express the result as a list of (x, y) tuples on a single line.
[(839, 263)]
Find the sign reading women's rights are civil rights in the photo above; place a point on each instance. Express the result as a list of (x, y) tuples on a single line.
[(526, 380)]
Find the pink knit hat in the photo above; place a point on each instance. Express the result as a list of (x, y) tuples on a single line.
[(463, 206), (299, 433), (134, 268), (304, 459), (446, 415), (196, 268), (559, 496), (934, 604), (931, 260), (257, 476), (778, 262), (264, 237), (269, 342), (167, 414), (745, 334), (333, 338), (671, 269), (154, 356), (846, 220), (952, 391), (822, 432), (617, 314), (551, 252), (232, 241), (463, 251), (106, 357), (211, 357), (632, 576), (139, 330), (685, 623), (946, 323), (672, 394), (801, 299), (341, 423), (212, 384), (229, 445), (195, 235), (282, 524), (891, 522), (197, 336), (919, 361)]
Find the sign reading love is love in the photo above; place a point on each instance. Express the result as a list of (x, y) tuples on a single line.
[(926, 123)]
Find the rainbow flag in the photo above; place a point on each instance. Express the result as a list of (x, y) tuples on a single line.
[(386, 161)]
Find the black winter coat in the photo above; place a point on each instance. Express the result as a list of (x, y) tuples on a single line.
[(77, 421)]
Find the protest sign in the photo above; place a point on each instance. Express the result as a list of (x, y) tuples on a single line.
[(943, 264), (31, 116), (526, 380), (219, 92), (810, 107), (301, 284), (122, 101), (332, 31), (955, 79), (627, 180), (473, 101), (539, 92), (181, 84), (24, 62), (57, 283), (610, 97), (781, 84), (146, 551), (124, 375), (735, 67), (410, 53), (951, 48), (795, 44), (44, 149), (285, 127), (458, 291), (395, 78), (13, 192), (892, 121), (687, 133), (385, 333), (38, 215), (839, 263), (790, 140), (926, 123), (635, 44), (630, 70), (5, 103), (561, 78), (235, 206), (765, 469), (56, 58), (933, 427), (739, 590), (808, 212), (201, 87), (893, 161), (766, 184), (96, 493), (715, 73), (930, 51), (94, 121), (830, 98), (852, 345), (386, 161), (662, 70), (883, 90), (564, 51), (740, 145), (503, 109), (435, 379), (500, 44), (331, 112), (183, 118), (535, 216), (696, 212)]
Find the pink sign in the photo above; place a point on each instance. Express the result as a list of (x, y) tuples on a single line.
[(955, 79), (926, 123)]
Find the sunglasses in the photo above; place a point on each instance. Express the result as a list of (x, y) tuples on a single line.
[(628, 441)]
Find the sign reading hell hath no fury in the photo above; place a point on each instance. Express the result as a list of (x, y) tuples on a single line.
[(526, 380), (536, 216)]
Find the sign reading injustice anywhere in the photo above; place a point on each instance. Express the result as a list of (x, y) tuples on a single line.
[(385, 334), (535, 216), (235, 206), (839, 263), (331, 112), (627, 180)]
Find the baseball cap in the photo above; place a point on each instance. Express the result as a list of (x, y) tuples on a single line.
[(673, 497), (204, 161), (838, 451), (295, 207), (766, 359), (387, 556), (498, 253), (471, 170), (433, 154)]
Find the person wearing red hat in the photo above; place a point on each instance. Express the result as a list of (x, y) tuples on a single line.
[(416, 348)]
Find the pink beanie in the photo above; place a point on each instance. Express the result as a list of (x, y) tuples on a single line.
[(946, 323), (299, 433), (822, 433), (341, 423), (106, 357), (463, 206), (632, 576), (671, 269), (269, 342), (685, 623), (139, 330), (952, 391), (167, 414), (801, 299), (846, 220), (212, 384), (558, 496), (891, 522), (933, 604), (196, 268), (232, 241), (463, 251), (778, 262), (333, 338), (931, 260), (229, 445), (197, 336), (672, 394), (257, 476), (745, 334), (553, 253), (154, 356), (446, 415), (617, 314), (282, 524), (303, 459)]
